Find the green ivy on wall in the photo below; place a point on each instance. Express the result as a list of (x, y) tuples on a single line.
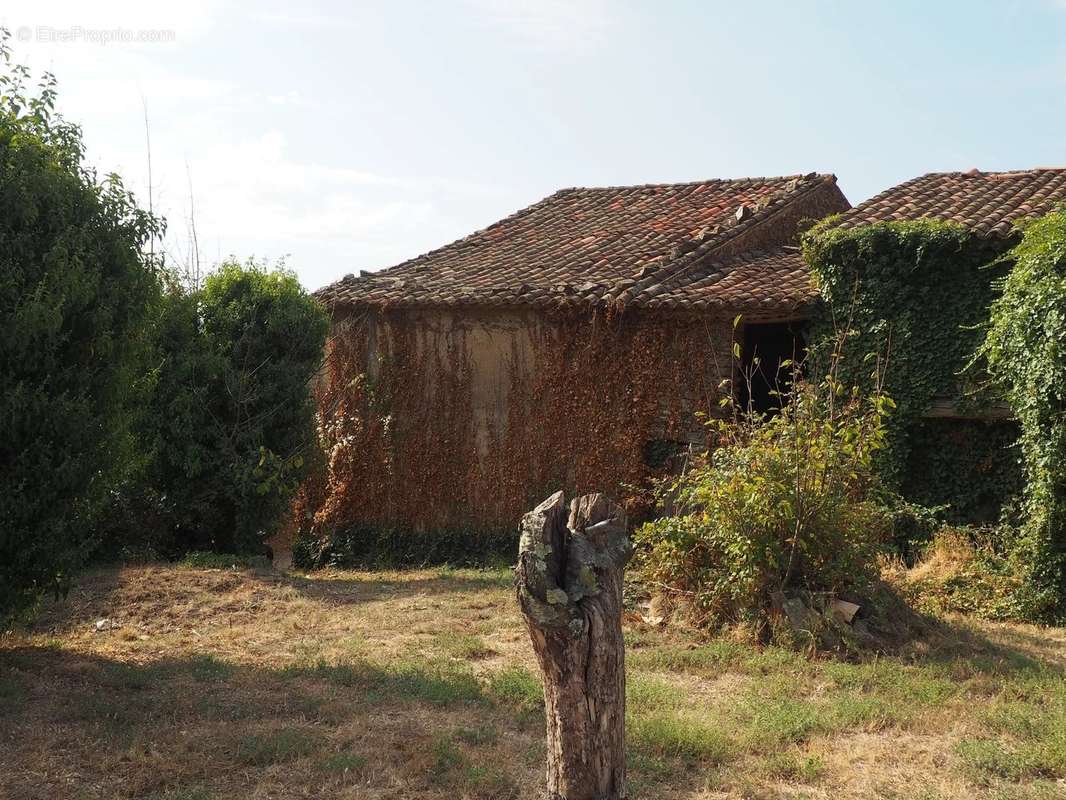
[(1026, 350), (970, 467), (910, 299)]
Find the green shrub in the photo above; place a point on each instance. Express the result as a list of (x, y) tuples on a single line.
[(787, 503), (913, 527), (1024, 349), (75, 289), (231, 420)]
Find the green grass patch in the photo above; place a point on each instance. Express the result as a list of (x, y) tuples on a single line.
[(210, 669), (220, 703), (645, 768), (645, 693), (985, 759), (906, 685), (436, 684), (710, 659), (489, 782), (674, 735), (466, 646), (778, 712), (341, 763), (699, 660), (276, 747), (767, 724), (794, 767), (517, 689), (451, 766), (446, 755), (478, 736), (439, 683), (493, 574), (125, 677), (354, 673)]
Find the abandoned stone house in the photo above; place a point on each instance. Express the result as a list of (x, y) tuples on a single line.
[(569, 345), (574, 344)]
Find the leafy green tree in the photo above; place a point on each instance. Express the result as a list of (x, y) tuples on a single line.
[(75, 289), (233, 411), (1026, 349)]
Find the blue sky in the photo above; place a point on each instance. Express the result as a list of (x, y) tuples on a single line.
[(352, 136)]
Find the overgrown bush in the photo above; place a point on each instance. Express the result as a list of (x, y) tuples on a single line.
[(234, 411), (789, 503), (1026, 350), (75, 289), (230, 431)]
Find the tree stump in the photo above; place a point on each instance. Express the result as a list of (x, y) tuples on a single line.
[(569, 585)]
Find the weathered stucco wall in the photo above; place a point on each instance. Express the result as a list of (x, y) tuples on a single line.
[(437, 418)]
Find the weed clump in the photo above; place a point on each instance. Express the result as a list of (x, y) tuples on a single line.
[(779, 507)]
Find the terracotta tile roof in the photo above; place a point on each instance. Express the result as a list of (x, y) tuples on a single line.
[(639, 245), (776, 280), (987, 202)]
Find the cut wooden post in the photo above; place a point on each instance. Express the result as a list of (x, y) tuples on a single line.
[(569, 585)]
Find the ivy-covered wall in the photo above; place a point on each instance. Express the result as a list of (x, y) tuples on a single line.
[(973, 467), (1026, 351), (910, 301)]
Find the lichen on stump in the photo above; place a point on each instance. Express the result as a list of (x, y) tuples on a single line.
[(569, 585)]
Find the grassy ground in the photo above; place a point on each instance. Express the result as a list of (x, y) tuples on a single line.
[(192, 683)]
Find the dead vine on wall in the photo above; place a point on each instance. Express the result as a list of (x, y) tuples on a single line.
[(407, 447)]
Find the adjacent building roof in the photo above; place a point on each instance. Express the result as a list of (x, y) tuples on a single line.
[(989, 203), (776, 280), (681, 245)]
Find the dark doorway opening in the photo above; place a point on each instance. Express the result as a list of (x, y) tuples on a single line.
[(765, 347)]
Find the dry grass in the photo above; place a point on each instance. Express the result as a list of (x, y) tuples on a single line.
[(958, 574), (214, 683)]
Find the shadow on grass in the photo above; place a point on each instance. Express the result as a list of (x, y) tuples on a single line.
[(900, 636), (334, 590), (119, 729), (81, 602), (153, 590)]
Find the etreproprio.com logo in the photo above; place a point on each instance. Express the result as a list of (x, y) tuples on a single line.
[(74, 34)]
